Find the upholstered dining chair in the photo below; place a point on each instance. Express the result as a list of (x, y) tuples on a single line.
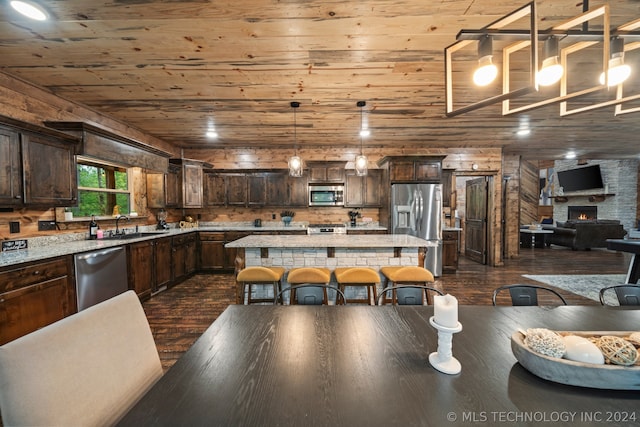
[(525, 294), (627, 294), (311, 294), (87, 369), (407, 294)]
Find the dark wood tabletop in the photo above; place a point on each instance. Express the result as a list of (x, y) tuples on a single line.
[(368, 365), (633, 247)]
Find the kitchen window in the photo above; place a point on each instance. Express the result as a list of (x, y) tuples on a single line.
[(103, 189)]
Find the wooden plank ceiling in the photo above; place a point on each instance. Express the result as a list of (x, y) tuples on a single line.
[(174, 68)]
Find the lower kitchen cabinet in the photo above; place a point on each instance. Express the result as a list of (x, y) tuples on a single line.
[(184, 257), (34, 295), (351, 231), (212, 251), (450, 242), (149, 266)]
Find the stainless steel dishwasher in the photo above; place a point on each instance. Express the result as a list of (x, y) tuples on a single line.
[(100, 275)]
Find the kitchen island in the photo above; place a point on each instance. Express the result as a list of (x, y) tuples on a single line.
[(330, 251)]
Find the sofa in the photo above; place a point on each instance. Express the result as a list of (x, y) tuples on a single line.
[(584, 234)]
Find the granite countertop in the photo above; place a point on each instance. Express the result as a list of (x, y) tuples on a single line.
[(331, 240), (40, 248)]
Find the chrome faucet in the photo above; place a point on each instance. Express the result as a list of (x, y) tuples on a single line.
[(118, 218)]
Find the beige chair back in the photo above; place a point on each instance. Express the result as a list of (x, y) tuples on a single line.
[(88, 369)]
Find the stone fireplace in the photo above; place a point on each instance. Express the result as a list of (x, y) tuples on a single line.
[(582, 212)]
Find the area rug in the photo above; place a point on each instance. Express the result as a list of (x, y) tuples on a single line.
[(586, 285)]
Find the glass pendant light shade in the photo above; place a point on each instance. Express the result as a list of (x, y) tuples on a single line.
[(361, 162), (296, 165), (361, 165)]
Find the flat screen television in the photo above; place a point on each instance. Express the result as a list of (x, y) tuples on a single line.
[(586, 178)]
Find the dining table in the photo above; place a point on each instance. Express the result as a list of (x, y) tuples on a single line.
[(355, 365)]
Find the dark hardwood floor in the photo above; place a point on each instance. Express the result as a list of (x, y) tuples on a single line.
[(179, 315)]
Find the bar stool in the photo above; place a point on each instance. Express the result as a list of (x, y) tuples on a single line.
[(309, 275), (358, 276), (257, 275), (407, 275)]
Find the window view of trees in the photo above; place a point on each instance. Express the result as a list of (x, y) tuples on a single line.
[(100, 189)]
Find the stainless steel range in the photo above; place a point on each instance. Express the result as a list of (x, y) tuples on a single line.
[(326, 229)]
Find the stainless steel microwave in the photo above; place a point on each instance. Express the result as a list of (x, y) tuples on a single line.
[(326, 195)]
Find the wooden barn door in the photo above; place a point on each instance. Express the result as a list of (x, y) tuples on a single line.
[(476, 220)]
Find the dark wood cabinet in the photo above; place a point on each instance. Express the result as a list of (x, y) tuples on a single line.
[(34, 295), (363, 191), (183, 256), (10, 168), (162, 255), (184, 183), (256, 189), (173, 186), (215, 190), (236, 188), (450, 249), (140, 267), (149, 266), (192, 185), (329, 172), (365, 231), (37, 166), (414, 168), (212, 251), (448, 188), (49, 168), (284, 190), (164, 190)]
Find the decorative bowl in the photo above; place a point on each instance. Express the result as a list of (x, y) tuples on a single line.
[(563, 371)]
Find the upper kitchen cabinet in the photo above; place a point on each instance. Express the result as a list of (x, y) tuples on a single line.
[(448, 188), (49, 167), (326, 172), (257, 189), (363, 191), (286, 190), (190, 177), (10, 168), (215, 191), (414, 168), (37, 166), (164, 190)]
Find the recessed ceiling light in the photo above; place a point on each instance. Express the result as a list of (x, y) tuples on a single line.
[(212, 134), (570, 155), (30, 9), (523, 132), (364, 133)]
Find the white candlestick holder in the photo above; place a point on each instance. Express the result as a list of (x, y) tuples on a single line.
[(443, 359)]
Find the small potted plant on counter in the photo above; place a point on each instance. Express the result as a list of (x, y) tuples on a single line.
[(287, 216)]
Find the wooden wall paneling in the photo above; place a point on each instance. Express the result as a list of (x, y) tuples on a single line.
[(529, 192), (511, 169)]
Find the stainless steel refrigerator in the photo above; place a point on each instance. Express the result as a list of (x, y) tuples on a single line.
[(416, 209)]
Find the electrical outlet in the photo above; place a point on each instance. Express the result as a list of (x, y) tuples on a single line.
[(46, 225), (14, 226)]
